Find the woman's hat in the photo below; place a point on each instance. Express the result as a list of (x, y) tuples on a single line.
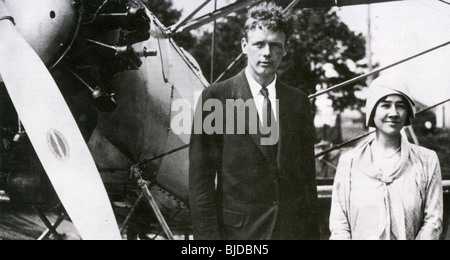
[(386, 86)]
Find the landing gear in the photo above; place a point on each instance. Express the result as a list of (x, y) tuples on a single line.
[(146, 196), (51, 228)]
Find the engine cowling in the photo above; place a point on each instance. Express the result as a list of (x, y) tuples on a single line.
[(49, 26)]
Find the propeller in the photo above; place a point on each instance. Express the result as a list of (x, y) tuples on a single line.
[(55, 135)]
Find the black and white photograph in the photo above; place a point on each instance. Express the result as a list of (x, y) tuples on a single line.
[(224, 120)]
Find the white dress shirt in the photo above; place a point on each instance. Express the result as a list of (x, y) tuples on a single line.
[(255, 87)]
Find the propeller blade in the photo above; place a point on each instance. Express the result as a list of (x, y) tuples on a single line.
[(55, 136)]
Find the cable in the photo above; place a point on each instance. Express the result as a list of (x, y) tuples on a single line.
[(359, 78), (442, 1), (166, 80), (337, 147), (97, 13), (189, 17)]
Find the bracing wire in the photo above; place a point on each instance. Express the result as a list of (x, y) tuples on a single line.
[(337, 147), (445, 2), (96, 13), (326, 91)]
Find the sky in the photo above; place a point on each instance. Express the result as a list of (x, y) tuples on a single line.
[(403, 29), (399, 30)]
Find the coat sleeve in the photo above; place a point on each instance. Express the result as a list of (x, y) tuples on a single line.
[(203, 158), (433, 204), (309, 168), (339, 223)]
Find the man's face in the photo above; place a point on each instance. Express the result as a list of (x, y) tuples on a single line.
[(265, 49)]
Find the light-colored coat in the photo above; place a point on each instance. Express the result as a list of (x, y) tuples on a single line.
[(406, 205)]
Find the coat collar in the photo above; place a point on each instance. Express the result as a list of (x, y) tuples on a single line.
[(364, 162)]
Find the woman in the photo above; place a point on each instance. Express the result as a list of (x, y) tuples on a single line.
[(388, 188)]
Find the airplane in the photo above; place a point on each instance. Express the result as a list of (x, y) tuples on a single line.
[(87, 123)]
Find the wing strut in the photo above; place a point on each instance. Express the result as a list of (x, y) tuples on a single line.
[(199, 22), (189, 17)]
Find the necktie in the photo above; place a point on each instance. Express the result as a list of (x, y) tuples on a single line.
[(267, 116), (267, 108)]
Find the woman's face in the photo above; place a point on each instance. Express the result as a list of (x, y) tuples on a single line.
[(391, 115)]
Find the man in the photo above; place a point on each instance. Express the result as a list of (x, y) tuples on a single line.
[(242, 185)]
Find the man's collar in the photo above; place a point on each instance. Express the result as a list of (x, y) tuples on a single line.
[(255, 86)]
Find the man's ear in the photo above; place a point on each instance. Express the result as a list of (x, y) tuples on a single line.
[(244, 45)]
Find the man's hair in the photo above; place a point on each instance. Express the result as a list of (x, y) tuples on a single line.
[(271, 16)]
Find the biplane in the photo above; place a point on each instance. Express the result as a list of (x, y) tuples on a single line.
[(86, 111)]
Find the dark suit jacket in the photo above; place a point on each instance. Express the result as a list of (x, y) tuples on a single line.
[(238, 190)]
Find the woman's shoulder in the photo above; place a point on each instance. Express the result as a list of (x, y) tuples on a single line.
[(348, 156), (424, 153), (356, 151), (427, 160)]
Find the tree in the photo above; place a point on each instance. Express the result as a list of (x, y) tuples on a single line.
[(228, 42), (164, 10), (322, 52)]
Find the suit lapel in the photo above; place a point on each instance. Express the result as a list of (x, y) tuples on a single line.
[(241, 90)]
